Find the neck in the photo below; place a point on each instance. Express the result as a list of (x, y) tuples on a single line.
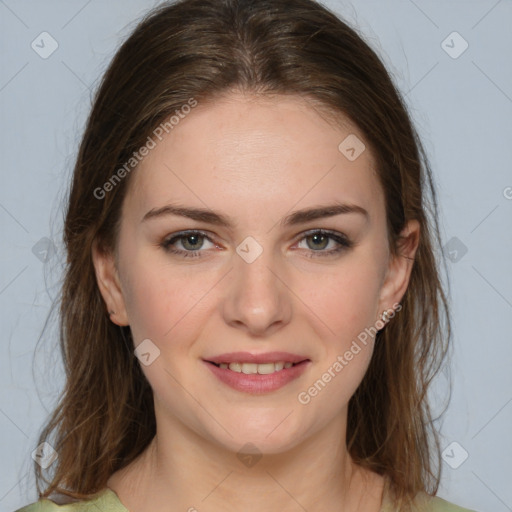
[(181, 470)]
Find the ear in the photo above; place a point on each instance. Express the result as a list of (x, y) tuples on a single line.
[(400, 267), (109, 284)]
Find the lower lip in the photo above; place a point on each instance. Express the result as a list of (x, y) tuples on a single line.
[(255, 383)]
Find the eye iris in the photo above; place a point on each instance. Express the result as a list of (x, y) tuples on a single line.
[(317, 237), (196, 240)]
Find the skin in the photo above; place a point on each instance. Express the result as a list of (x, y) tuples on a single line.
[(255, 160)]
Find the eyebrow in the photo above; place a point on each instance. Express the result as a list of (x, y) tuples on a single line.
[(297, 217)]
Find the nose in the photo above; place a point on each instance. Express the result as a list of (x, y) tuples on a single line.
[(257, 299)]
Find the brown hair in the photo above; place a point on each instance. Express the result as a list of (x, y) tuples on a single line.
[(201, 49)]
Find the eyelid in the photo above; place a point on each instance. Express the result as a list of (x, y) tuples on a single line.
[(323, 231)]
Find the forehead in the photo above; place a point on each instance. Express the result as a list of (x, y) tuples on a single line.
[(252, 150)]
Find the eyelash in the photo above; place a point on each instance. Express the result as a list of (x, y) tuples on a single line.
[(341, 239)]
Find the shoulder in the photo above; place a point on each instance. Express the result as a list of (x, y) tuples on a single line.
[(425, 503), (437, 504), (106, 501)]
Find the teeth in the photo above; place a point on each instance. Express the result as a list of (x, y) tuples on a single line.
[(252, 368)]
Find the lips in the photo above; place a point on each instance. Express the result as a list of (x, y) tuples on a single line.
[(257, 373), (260, 382)]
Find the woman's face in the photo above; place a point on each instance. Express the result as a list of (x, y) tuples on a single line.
[(253, 274)]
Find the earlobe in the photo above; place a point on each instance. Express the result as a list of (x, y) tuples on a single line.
[(109, 285), (400, 267)]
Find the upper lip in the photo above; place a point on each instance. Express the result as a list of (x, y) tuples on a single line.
[(247, 357)]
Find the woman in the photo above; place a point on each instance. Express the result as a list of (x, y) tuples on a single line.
[(252, 310)]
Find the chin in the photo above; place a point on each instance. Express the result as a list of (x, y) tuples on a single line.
[(265, 437)]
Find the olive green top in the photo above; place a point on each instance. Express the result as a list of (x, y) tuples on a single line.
[(108, 501)]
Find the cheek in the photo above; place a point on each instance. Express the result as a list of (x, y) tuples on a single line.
[(164, 306), (160, 299), (345, 303), (346, 298)]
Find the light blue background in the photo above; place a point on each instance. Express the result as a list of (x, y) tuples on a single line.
[(463, 110)]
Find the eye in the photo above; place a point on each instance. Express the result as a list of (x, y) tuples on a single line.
[(191, 241), (318, 240)]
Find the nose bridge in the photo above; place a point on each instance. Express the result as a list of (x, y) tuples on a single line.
[(256, 299)]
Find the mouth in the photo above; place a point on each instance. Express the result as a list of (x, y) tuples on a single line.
[(257, 373), (257, 378)]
